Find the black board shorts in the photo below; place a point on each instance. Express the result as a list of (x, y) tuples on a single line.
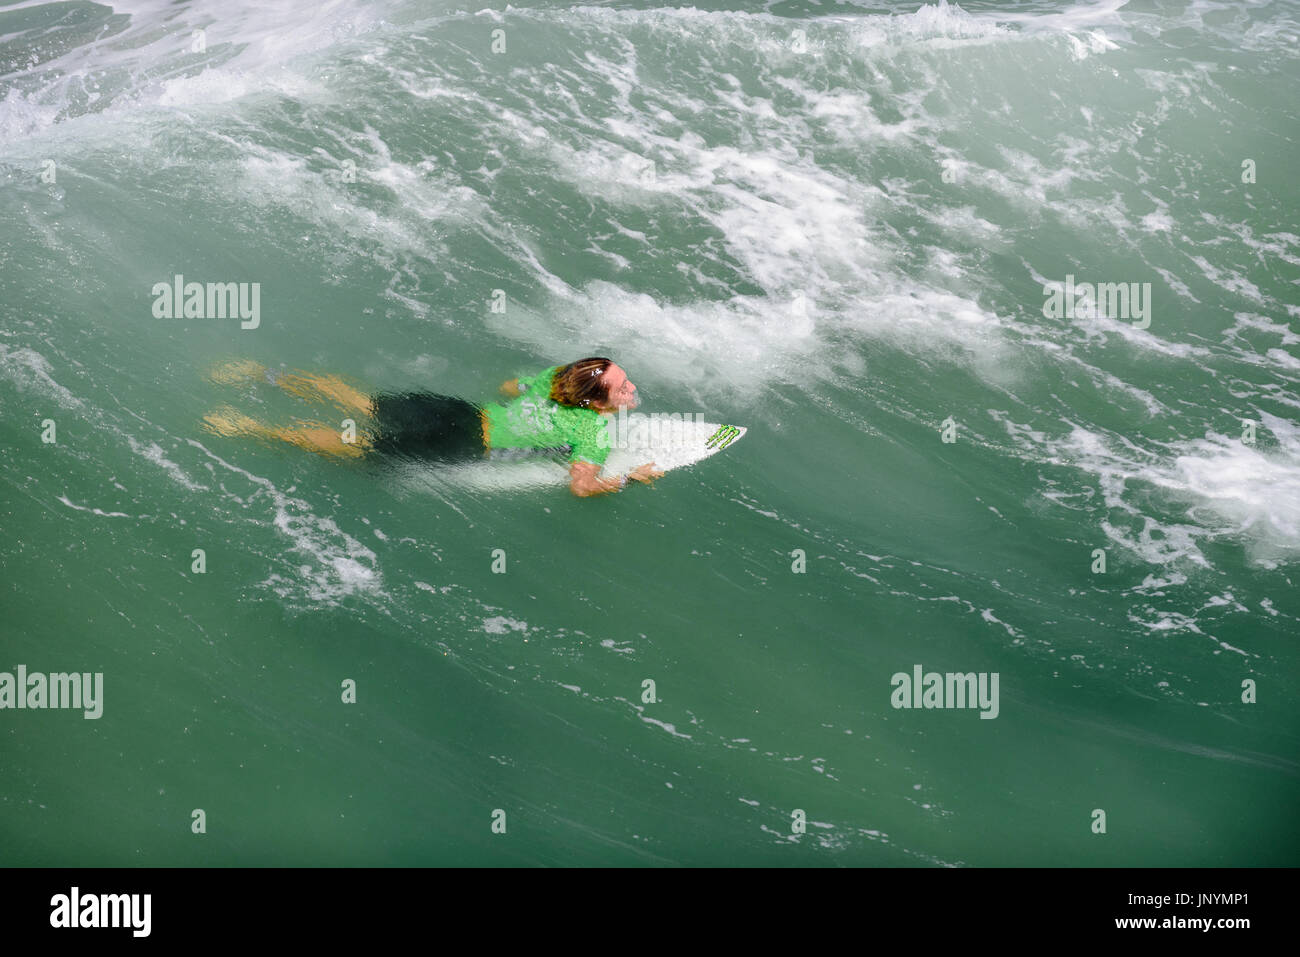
[(427, 426)]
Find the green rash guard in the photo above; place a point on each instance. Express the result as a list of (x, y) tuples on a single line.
[(534, 421)]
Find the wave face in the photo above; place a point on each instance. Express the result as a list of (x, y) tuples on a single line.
[(1006, 294)]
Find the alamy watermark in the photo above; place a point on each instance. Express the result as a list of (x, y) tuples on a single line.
[(1105, 300), (628, 430), (951, 690), (179, 299), (76, 909), (57, 690)]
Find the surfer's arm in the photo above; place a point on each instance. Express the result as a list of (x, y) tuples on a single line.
[(586, 478), (511, 388)]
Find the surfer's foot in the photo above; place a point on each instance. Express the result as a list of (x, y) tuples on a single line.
[(228, 421), (237, 371)]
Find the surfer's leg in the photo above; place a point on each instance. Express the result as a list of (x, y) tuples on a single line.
[(312, 436), (316, 437), (304, 385), (319, 388)]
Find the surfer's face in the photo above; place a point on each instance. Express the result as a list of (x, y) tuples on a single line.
[(621, 390)]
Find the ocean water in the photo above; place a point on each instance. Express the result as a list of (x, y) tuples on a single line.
[(836, 224)]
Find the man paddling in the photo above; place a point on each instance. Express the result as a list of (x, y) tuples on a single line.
[(557, 410)]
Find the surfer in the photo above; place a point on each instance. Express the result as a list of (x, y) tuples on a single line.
[(557, 410)]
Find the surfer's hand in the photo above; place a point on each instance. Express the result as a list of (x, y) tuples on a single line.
[(645, 473), (586, 480)]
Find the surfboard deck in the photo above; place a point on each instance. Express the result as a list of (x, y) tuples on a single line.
[(672, 446)]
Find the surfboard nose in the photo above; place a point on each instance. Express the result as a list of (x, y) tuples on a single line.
[(725, 435)]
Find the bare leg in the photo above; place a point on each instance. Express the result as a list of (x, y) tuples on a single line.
[(304, 385), (312, 436), (317, 388)]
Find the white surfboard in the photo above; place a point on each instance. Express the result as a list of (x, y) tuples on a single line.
[(670, 442)]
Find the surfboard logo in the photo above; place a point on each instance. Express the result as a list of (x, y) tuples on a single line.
[(723, 437)]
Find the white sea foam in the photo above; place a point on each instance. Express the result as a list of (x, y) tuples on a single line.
[(322, 565), (153, 452), (92, 509), (247, 45), (29, 371), (501, 625), (1227, 489)]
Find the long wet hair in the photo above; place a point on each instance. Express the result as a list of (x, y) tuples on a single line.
[(581, 383)]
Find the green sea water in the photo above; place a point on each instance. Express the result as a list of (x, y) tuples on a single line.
[(831, 223)]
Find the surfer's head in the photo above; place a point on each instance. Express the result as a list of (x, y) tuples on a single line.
[(594, 383)]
